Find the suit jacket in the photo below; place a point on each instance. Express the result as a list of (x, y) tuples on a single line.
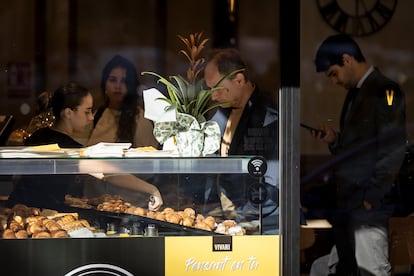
[(257, 131), (370, 147), (256, 134)]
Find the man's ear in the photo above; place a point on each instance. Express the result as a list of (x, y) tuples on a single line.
[(239, 78), (347, 58)]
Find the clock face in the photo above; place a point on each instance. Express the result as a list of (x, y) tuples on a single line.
[(357, 17)]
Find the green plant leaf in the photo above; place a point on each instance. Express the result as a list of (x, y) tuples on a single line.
[(228, 75), (188, 95)]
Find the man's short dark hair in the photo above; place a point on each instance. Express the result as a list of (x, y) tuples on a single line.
[(331, 50), (228, 60)]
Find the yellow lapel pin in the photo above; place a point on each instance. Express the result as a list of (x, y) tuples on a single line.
[(390, 96)]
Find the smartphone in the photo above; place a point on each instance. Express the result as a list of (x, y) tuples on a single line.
[(315, 130)]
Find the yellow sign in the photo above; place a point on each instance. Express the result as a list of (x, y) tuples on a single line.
[(390, 96), (199, 255)]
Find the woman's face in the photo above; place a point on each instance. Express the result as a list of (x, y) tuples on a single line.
[(115, 87), (82, 115)]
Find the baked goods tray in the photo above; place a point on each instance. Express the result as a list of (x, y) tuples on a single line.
[(164, 228)]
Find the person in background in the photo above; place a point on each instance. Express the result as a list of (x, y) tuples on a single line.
[(72, 108), (369, 150), (43, 117), (121, 117), (44, 114), (249, 126)]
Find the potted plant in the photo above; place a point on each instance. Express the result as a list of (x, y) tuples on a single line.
[(193, 135)]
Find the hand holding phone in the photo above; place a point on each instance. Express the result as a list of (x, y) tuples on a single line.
[(314, 130)]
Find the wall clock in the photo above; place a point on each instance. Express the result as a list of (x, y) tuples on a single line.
[(357, 17)]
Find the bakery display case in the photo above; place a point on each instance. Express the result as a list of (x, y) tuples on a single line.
[(124, 237), (177, 178)]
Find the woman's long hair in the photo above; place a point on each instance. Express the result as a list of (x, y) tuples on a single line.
[(129, 110)]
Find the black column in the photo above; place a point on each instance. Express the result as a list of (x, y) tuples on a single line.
[(289, 135), (73, 39), (40, 46), (225, 22)]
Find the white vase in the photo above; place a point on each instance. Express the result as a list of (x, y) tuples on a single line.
[(190, 143), (193, 139)]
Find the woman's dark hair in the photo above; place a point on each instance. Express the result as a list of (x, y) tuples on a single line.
[(228, 60), (44, 102), (68, 96), (129, 109), (331, 50)]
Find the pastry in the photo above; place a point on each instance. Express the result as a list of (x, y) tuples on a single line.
[(173, 218), (59, 234), (202, 225), (8, 234), (199, 218), (210, 221), (22, 234), (187, 221), (160, 216), (168, 210), (190, 212), (53, 226), (41, 235), (151, 214), (139, 211), (35, 227), (15, 226)]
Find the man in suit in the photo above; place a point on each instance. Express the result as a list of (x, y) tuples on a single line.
[(369, 150), (249, 126)]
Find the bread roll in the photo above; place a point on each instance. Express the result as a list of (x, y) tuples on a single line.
[(22, 234), (35, 227), (32, 219), (210, 221), (8, 234), (168, 210), (229, 223), (187, 221), (59, 234), (51, 225), (203, 226), (130, 210), (199, 218), (139, 211), (173, 218), (15, 226), (190, 212), (151, 214), (41, 235), (160, 216)]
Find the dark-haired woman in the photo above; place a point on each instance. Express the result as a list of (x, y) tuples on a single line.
[(121, 117), (72, 108)]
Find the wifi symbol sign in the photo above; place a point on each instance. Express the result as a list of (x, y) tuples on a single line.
[(257, 166), (257, 163)]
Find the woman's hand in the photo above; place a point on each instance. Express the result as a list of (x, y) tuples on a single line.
[(155, 202)]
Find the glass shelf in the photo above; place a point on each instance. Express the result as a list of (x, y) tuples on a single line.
[(205, 165)]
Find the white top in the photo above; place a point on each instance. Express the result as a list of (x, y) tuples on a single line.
[(106, 129)]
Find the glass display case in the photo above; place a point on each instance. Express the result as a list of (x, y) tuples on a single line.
[(148, 236)]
